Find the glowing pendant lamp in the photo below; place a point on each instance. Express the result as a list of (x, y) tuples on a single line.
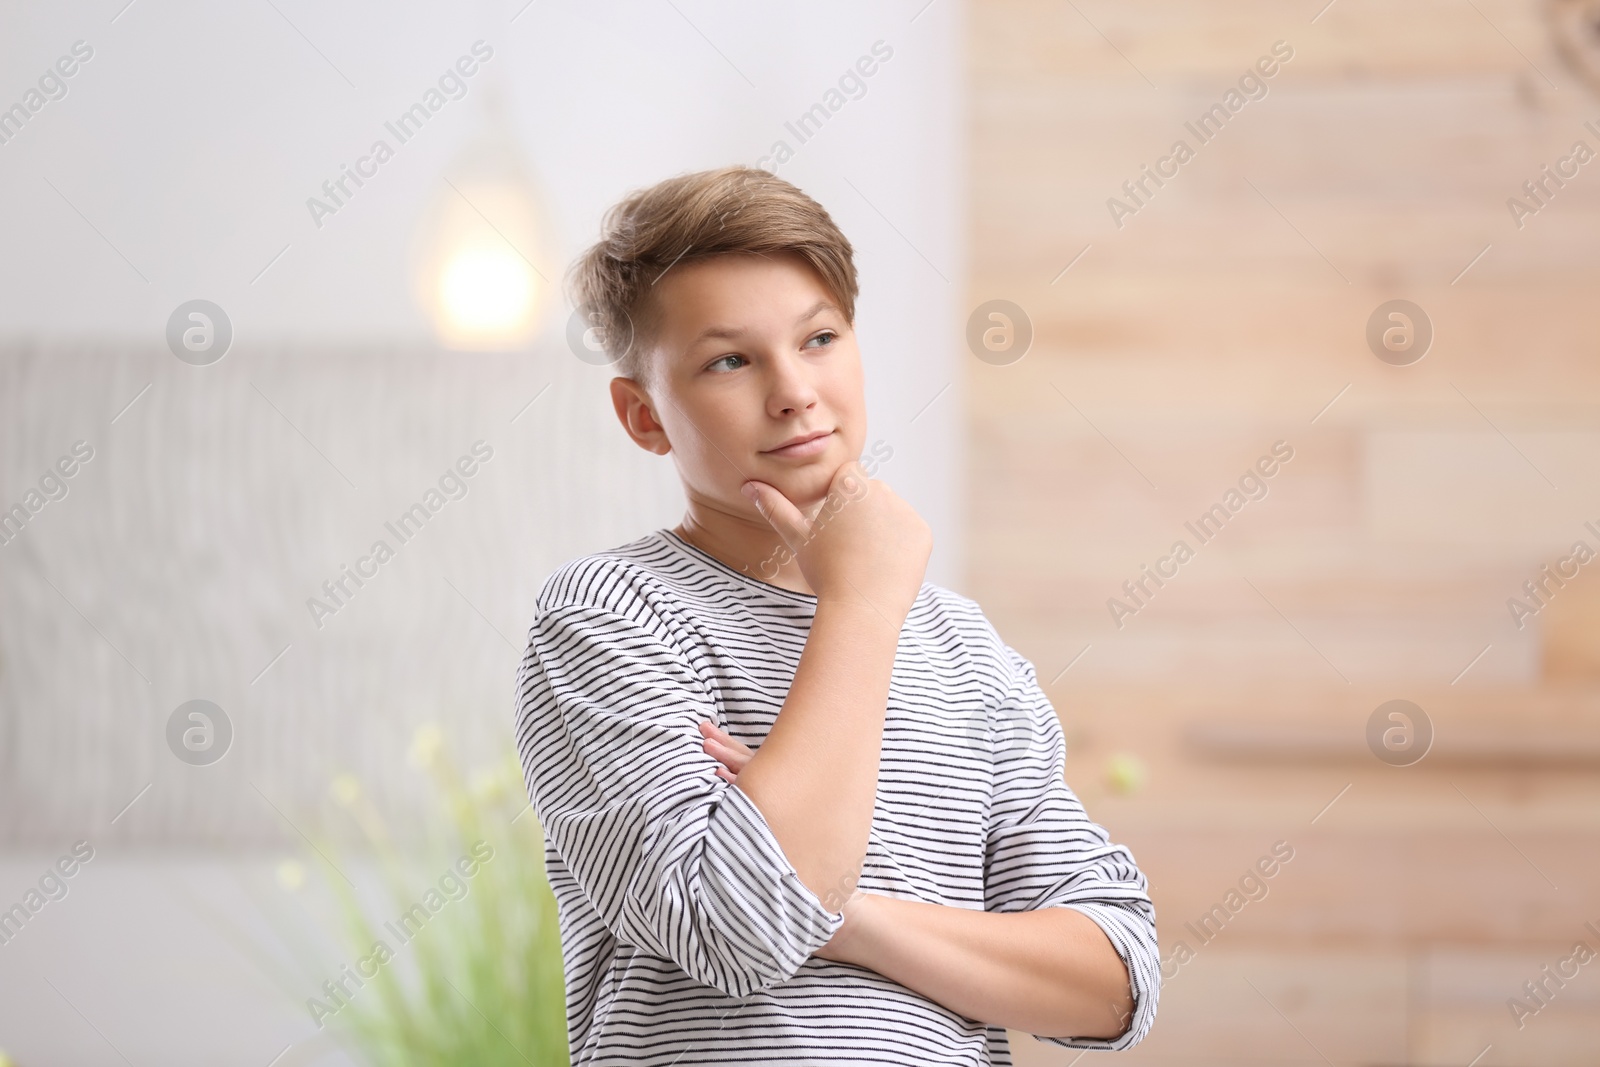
[(482, 259)]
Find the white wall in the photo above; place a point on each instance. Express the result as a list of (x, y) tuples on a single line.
[(178, 166)]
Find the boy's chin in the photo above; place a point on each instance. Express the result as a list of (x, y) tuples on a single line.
[(807, 491)]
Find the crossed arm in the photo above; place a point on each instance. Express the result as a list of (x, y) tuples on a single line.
[(725, 881), (1051, 972)]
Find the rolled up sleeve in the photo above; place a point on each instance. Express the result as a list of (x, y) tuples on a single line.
[(1043, 850), (676, 861)]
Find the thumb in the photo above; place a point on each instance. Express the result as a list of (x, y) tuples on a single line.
[(779, 511)]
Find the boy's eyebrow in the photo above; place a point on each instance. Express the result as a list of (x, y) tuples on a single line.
[(729, 333)]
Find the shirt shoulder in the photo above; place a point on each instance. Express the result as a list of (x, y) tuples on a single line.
[(626, 580), (606, 616), (950, 604), (948, 620), (961, 615)]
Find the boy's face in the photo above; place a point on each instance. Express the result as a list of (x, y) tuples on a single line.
[(749, 353)]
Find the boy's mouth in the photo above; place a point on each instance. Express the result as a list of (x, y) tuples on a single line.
[(807, 444)]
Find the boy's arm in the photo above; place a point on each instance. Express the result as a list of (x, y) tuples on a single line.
[(815, 776), (1050, 972), (1067, 940)]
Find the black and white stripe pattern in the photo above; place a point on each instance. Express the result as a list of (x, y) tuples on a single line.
[(686, 935)]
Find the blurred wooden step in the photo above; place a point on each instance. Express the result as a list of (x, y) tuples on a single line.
[(1489, 745)]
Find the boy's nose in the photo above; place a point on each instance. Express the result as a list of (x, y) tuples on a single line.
[(791, 390)]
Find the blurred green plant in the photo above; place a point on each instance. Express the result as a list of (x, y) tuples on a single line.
[(484, 983), (1125, 773)]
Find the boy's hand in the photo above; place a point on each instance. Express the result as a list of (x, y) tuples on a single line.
[(731, 754), (864, 541)]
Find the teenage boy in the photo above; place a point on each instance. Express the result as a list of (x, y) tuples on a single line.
[(799, 804)]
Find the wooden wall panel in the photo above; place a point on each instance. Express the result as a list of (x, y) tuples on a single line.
[(1229, 312)]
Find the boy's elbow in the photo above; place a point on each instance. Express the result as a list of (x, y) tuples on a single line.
[(720, 901), (738, 959), (1119, 1010), (741, 982), (1118, 1006), (1106, 1014), (734, 971)]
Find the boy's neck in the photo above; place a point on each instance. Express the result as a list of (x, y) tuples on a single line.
[(742, 546)]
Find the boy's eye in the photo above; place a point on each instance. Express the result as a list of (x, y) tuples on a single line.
[(828, 337)]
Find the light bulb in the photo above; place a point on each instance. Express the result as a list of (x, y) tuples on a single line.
[(486, 292), (481, 264)]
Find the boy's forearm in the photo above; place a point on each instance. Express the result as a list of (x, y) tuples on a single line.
[(1050, 972), (815, 777)]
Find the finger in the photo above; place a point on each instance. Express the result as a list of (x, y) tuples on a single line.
[(779, 511), (725, 754), (729, 741), (733, 752), (712, 732)]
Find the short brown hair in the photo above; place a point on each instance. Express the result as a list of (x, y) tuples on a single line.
[(737, 209)]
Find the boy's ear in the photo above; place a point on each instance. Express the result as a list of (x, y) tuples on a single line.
[(636, 411)]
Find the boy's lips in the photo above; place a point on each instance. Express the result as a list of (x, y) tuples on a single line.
[(805, 447)]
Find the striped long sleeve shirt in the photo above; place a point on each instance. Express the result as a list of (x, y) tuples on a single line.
[(687, 936)]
